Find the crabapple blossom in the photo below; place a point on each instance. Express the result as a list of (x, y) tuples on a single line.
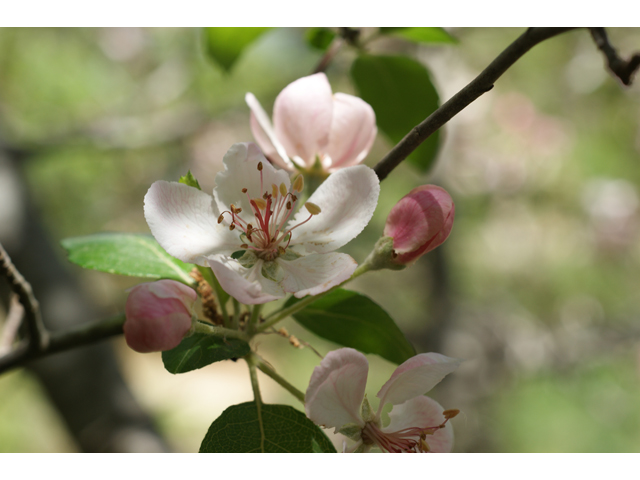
[(335, 398), (420, 222), (249, 233), (158, 315), (309, 123)]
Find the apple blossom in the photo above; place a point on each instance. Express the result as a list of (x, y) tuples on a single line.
[(335, 398), (309, 123), (158, 315), (248, 233)]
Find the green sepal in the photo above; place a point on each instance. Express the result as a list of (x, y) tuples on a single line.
[(190, 180), (366, 411), (351, 430)]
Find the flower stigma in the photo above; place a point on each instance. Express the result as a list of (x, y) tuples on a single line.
[(267, 236)]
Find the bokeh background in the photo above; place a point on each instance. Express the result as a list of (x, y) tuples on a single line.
[(537, 287)]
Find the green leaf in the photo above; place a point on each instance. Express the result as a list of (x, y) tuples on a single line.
[(401, 93), (354, 320), (200, 350), (286, 430), (126, 254), (225, 44), (190, 180), (319, 37), (420, 34)]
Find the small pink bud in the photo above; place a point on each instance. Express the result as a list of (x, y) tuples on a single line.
[(158, 315), (419, 222)]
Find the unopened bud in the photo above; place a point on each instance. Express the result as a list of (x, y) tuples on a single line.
[(158, 315), (420, 222)]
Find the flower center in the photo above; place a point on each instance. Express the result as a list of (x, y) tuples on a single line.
[(266, 235), (408, 440)]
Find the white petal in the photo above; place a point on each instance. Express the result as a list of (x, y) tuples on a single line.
[(347, 200), (265, 135), (241, 171), (336, 389), (302, 117), (353, 130), (184, 221), (316, 273), (247, 285), (422, 412), (416, 377)]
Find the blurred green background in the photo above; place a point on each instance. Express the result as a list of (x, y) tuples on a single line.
[(537, 286)]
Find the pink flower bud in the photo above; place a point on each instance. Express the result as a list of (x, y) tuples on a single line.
[(158, 315), (419, 222)]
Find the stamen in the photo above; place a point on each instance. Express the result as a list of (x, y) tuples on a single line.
[(283, 190), (274, 190), (312, 208), (244, 190), (220, 218), (244, 245), (232, 226), (259, 166), (260, 203), (298, 183)]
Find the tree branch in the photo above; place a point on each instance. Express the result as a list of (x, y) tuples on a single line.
[(622, 69), (65, 340), (38, 336), (481, 84)]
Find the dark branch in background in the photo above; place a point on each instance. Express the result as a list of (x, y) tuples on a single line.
[(347, 35), (65, 340), (38, 336), (481, 84), (622, 69)]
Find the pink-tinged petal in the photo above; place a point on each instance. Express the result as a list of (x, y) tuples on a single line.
[(247, 285), (353, 130), (184, 221), (347, 200), (265, 135), (158, 315), (336, 389), (316, 273), (302, 116), (419, 222), (422, 412), (241, 171), (416, 377)]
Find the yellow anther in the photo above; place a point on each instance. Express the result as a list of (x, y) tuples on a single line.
[(281, 250), (274, 190), (312, 208), (449, 414), (283, 190), (298, 183), (260, 166), (244, 245), (260, 203)]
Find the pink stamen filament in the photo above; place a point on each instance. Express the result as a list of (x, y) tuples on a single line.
[(405, 440)]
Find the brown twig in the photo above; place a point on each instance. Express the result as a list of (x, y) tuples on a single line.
[(38, 335), (11, 325), (622, 69), (65, 340), (479, 85)]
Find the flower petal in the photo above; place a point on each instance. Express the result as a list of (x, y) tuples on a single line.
[(316, 273), (265, 135), (336, 389), (241, 171), (416, 377), (353, 130), (302, 117), (422, 412), (184, 221), (347, 200), (247, 285)]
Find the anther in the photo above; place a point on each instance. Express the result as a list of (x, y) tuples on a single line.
[(244, 245), (449, 414), (288, 205), (312, 208), (232, 226), (260, 166), (220, 218), (294, 198), (274, 190), (281, 250), (283, 190), (260, 203), (298, 183), (244, 190)]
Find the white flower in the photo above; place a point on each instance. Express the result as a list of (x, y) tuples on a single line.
[(253, 210), (309, 122), (418, 423)]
